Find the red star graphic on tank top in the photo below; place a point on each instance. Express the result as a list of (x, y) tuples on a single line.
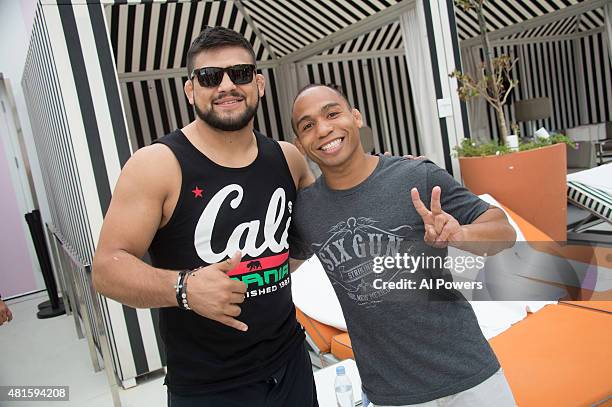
[(197, 192)]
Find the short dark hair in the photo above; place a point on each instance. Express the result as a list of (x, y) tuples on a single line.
[(216, 37), (331, 86)]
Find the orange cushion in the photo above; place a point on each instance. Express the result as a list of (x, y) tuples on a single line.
[(559, 356), (341, 347), (531, 233), (320, 333)]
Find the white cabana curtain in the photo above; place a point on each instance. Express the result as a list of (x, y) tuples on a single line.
[(291, 80), (287, 78), (477, 107), (418, 60), (608, 13)]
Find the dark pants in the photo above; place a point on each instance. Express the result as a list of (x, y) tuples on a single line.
[(291, 385)]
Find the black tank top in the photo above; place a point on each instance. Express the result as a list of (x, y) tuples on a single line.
[(221, 210)]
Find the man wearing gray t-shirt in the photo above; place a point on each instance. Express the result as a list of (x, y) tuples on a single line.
[(418, 346)]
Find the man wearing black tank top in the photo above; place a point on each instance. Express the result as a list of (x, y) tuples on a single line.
[(212, 203)]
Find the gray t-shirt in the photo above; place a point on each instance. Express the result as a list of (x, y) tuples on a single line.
[(411, 346)]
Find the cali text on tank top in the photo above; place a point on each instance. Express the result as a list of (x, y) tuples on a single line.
[(221, 210)]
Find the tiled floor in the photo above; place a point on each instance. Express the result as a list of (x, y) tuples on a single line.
[(47, 352)]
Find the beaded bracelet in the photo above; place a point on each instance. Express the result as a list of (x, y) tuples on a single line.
[(181, 289)]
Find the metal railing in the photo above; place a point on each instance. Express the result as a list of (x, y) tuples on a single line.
[(85, 306)]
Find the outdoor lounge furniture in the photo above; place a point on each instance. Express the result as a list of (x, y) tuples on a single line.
[(604, 147), (594, 143), (591, 190)]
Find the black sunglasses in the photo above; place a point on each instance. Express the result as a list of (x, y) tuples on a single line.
[(211, 76)]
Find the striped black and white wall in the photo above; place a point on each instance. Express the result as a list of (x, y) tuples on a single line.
[(548, 69), (595, 62), (157, 106), (150, 43), (152, 80), (82, 142), (553, 56), (55, 149)]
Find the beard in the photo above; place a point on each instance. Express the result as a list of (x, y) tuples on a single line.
[(213, 119)]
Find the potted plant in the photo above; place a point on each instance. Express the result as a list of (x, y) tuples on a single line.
[(530, 181)]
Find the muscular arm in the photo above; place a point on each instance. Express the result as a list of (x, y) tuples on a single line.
[(302, 176), (489, 233), (133, 217), (491, 225)]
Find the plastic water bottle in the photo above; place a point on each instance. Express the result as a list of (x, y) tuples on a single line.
[(344, 388)]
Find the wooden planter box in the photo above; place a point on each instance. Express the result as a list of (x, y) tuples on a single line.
[(531, 183)]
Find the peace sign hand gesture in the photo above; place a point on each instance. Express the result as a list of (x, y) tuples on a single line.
[(441, 229)]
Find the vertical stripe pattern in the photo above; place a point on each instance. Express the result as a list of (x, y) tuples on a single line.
[(82, 141), (357, 78), (547, 69), (157, 106)]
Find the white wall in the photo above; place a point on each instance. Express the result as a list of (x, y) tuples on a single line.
[(18, 277), (16, 17)]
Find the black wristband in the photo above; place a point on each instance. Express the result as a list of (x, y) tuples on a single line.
[(181, 289)]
